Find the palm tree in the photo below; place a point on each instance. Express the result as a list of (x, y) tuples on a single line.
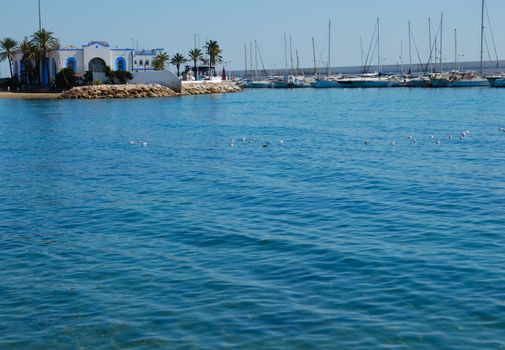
[(214, 52), (29, 52), (160, 60), (195, 55), (177, 60), (45, 42), (7, 48)]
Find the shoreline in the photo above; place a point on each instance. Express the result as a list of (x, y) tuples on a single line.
[(30, 95), (127, 91)]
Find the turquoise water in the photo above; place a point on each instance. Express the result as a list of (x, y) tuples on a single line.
[(304, 237)]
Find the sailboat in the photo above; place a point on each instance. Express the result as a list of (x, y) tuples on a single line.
[(496, 80), (462, 79), (369, 80), (284, 81), (328, 81), (256, 81)]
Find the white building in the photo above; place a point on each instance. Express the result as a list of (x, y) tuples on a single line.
[(92, 57)]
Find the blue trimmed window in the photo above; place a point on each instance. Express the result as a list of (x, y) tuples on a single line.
[(71, 64), (120, 64)]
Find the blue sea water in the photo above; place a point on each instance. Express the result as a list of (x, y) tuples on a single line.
[(304, 237)]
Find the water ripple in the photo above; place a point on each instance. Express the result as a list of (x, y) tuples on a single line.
[(317, 242)]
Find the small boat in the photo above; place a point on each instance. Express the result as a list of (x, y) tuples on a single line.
[(325, 83), (400, 81), (280, 83), (257, 84), (420, 82), (371, 80), (497, 81)]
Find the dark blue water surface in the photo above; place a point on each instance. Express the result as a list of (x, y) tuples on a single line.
[(316, 241)]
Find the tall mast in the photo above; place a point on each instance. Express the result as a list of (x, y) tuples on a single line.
[(378, 46), (251, 58), (314, 54), (455, 49), (429, 35), (291, 53), (482, 39), (285, 55), (329, 48), (245, 60), (441, 40), (410, 50), (361, 44), (401, 57), (297, 63), (40, 18), (255, 58), (435, 50)]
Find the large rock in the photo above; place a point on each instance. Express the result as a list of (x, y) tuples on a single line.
[(148, 90)]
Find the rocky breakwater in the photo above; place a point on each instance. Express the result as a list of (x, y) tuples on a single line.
[(118, 91), (199, 88), (147, 90)]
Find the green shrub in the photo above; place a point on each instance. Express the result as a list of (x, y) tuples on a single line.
[(97, 82), (117, 77), (88, 77), (65, 79)]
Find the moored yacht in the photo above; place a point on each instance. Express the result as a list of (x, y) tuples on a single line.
[(371, 80), (325, 83), (458, 79), (257, 84)]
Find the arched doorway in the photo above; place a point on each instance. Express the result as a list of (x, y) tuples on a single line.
[(71, 64), (97, 65), (120, 64)]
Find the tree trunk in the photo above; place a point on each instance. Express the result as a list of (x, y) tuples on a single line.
[(178, 68), (10, 67), (210, 65)]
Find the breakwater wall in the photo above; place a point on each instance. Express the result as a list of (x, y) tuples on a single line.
[(148, 90)]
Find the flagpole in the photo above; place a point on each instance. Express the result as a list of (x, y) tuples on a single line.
[(40, 18)]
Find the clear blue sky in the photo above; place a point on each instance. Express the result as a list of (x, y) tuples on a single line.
[(172, 25)]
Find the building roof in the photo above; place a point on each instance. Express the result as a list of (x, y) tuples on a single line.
[(101, 43)]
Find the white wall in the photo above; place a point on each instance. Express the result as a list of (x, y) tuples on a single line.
[(96, 50), (126, 54), (162, 77)]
